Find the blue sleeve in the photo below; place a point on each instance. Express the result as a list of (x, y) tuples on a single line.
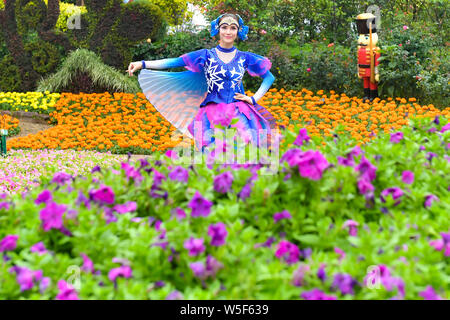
[(195, 60), (268, 79), (257, 65), (166, 63)]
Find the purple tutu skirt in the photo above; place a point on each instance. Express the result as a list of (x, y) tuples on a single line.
[(254, 123)]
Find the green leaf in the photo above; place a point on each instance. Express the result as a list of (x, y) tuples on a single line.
[(308, 239)]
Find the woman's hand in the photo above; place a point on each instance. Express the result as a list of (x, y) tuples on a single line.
[(243, 97), (134, 66)]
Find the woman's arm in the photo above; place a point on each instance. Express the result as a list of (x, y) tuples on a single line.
[(156, 64), (268, 79), (165, 63)]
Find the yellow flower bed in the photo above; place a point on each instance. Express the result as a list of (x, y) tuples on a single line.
[(29, 101), (122, 122)]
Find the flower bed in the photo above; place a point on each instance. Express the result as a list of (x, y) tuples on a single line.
[(29, 101), (347, 222), (122, 123), (23, 169), (9, 123)]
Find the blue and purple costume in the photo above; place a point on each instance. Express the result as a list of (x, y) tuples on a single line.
[(195, 100)]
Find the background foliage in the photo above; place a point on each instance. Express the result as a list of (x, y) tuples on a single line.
[(297, 35)]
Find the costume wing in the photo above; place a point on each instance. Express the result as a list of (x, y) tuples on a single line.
[(176, 95)]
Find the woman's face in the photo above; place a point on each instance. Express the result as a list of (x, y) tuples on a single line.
[(228, 33)]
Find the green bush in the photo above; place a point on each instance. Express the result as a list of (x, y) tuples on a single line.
[(29, 15), (325, 66), (10, 79), (413, 65), (45, 56)]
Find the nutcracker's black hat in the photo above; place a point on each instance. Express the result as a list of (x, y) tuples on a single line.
[(362, 23)]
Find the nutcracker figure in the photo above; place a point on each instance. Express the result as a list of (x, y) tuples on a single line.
[(368, 55)]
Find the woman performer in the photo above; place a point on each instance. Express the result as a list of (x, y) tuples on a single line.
[(211, 92)]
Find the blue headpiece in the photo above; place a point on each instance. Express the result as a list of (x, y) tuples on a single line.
[(242, 31)]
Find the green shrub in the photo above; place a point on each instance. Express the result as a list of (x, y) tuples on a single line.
[(413, 65), (45, 56), (29, 15), (10, 79)]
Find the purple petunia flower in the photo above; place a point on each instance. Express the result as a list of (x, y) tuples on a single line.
[(292, 157), (356, 151), (431, 155), (39, 248), (407, 177), (429, 294), (180, 213), (396, 137), (51, 216), (43, 197), (340, 252), (443, 243), (43, 285), (429, 199), (104, 195), (223, 182), (301, 137), (131, 172), (366, 170), (218, 233), (344, 282), (96, 169), (321, 274), (445, 128), (267, 243), (195, 246), (312, 164), (179, 174), (158, 177), (171, 154), (66, 291), (352, 227), (26, 278), (288, 251), (347, 162), (395, 192), (316, 294), (365, 187), (5, 205), (174, 295), (381, 274), (200, 206), (281, 215), (88, 265), (245, 192), (82, 199), (9, 243), (299, 275), (61, 178), (122, 271), (306, 253), (212, 266), (198, 268), (130, 206)]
